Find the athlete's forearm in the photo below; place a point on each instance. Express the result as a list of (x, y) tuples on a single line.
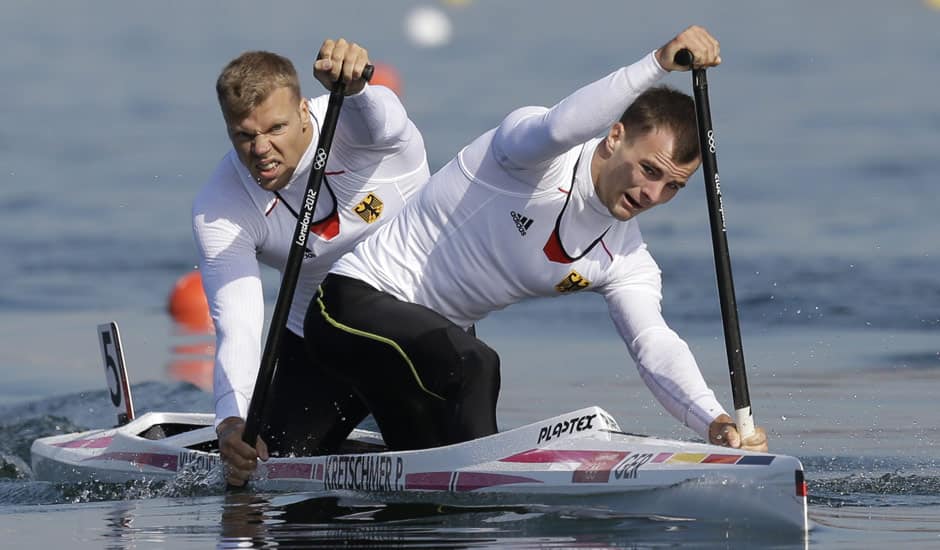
[(232, 283), (669, 370), (663, 359), (238, 317)]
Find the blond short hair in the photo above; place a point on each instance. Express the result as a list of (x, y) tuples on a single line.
[(249, 79)]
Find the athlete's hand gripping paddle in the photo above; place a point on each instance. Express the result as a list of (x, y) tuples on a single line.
[(285, 295), (729, 309)]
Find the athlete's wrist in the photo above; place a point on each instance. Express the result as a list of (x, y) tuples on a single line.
[(229, 426)]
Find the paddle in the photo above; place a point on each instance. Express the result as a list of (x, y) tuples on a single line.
[(716, 215), (295, 257)]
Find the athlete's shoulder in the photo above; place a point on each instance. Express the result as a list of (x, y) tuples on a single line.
[(225, 194), (512, 120), (625, 238), (632, 261)]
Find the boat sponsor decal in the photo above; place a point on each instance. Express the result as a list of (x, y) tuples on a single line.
[(597, 470), (461, 481), (576, 424), (318, 472), (197, 462), (629, 468), (588, 466), (156, 460), (712, 458), (364, 473), (294, 470), (86, 443)]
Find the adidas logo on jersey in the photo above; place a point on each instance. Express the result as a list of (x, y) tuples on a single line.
[(522, 223)]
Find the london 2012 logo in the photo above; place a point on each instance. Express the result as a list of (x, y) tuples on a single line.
[(320, 161)]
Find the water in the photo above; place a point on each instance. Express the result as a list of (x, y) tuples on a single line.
[(829, 133)]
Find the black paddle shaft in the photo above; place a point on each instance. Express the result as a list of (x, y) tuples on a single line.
[(285, 295), (729, 308)]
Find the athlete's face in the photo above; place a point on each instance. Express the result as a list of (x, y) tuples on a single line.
[(636, 173), (272, 138)]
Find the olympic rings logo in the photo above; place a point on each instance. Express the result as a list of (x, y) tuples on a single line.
[(320, 160)]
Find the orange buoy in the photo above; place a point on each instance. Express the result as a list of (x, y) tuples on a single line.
[(188, 305), (386, 75)]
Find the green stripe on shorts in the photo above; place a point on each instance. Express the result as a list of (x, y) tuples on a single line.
[(375, 337)]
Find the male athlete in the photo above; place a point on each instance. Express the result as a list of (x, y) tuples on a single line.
[(538, 206), (247, 213)]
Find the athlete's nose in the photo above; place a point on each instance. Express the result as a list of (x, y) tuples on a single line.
[(651, 193), (260, 145)]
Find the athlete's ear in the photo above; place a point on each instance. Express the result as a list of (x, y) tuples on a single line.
[(304, 114), (615, 135)]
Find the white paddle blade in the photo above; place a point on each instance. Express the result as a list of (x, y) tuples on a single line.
[(115, 371)]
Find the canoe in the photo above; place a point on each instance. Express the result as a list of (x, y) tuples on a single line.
[(579, 457), (579, 454)]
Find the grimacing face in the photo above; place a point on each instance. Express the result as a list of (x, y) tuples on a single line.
[(639, 172), (273, 137)]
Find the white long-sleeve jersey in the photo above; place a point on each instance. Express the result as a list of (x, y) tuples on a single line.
[(515, 215), (376, 163)]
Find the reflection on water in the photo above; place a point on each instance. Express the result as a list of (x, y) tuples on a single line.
[(901, 526), (244, 520), (193, 350), (193, 363), (344, 521)]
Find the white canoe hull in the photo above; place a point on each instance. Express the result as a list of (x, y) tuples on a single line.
[(580, 454)]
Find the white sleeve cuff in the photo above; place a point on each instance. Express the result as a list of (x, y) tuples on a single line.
[(230, 404), (357, 99), (702, 413)]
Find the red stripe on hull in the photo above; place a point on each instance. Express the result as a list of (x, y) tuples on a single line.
[(290, 471), (165, 462), (428, 481), (471, 481)]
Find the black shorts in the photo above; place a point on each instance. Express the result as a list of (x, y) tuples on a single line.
[(426, 381), (308, 411)]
